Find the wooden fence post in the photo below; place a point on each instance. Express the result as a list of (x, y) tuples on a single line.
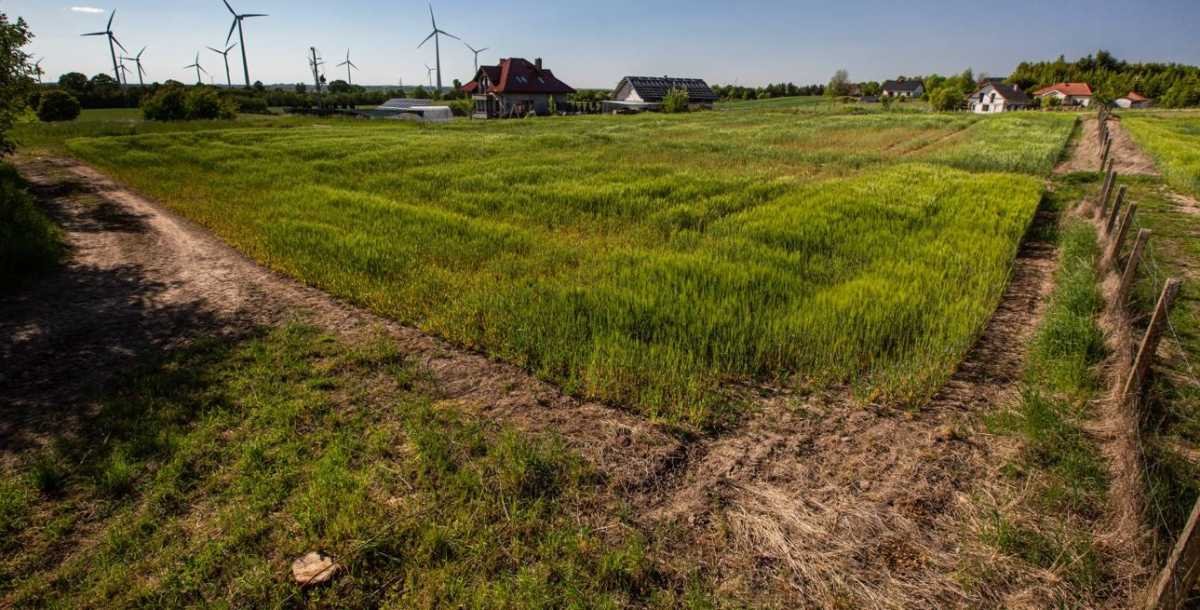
[(1171, 588), (1131, 267), (1114, 246), (1110, 177), (1149, 346), (1116, 211), (1105, 151)]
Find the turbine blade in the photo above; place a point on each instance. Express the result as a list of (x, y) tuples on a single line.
[(231, 28), (483, 49), (427, 39), (431, 17), (118, 42), (233, 12), (247, 16), (444, 33), (139, 55), (110, 19), (231, 47), (214, 50), (351, 64), (96, 34)]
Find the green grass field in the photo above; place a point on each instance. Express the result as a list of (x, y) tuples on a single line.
[(1173, 139), (644, 260)]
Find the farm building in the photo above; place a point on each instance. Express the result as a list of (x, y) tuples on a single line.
[(514, 88), (647, 92), (1133, 100), (410, 110), (1070, 94), (903, 88), (994, 97)]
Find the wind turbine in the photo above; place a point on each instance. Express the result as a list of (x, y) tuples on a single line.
[(430, 72), (199, 69), (437, 45), (225, 54), (237, 25), (124, 73), (476, 52), (137, 60), (349, 64), (112, 40)]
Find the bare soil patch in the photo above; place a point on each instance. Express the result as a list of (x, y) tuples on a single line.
[(1128, 158), (143, 281), (826, 503)]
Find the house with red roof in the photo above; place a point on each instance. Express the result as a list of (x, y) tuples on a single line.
[(1133, 100), (1069, 94), (515, 88)]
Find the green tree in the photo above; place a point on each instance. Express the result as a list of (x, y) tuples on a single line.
[(58, 105), (676, 100), (946, 99), (15, 83), (340, 86), (420, 93), (74, 83), (839, 85)]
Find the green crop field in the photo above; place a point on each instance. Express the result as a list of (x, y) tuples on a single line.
[(1173, 139), (650, 260)]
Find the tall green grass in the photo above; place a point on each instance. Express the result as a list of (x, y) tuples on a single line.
[(646, 261), (1174, 142), (29, 242)]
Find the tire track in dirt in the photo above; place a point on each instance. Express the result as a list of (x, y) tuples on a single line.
[(1128, 157), (820, 502), (141, 281)]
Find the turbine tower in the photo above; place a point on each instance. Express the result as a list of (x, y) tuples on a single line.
[(112, 44), (137, 60), (225, 55), (124, 73), (349, 64), (237, 25), (437, 46), (199, 69), (476, 52)]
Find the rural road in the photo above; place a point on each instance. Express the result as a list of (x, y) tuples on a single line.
[(141, 281)]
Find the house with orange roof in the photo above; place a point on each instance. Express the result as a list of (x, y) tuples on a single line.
[(1070, 94), (1133, 100), (515, 88)]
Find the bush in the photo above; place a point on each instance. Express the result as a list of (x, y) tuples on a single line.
[(168, 104), (946, 99), (462, 107), (177, 103), (58, 106), (676, 100), (252, 105)]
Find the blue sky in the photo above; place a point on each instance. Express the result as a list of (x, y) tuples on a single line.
[(595, 42)]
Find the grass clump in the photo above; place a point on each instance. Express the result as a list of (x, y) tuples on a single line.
[(646, 262), (226, 462), (29, 242)]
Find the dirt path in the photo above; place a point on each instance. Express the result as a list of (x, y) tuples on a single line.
[(142, 281), (841, 505), (1129, 159)]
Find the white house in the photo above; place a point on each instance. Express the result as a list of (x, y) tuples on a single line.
[(903, 88), (1070, 94), (995, 97), (1133, 100)]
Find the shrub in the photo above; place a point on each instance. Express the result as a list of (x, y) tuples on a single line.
[(462, 107), (253, 105), (946, 99), (29, 241), (177, 103), (58, 106), (168, 104), (676, 100)]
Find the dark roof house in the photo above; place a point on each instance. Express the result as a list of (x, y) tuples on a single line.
[(652, 89), (903, 88)]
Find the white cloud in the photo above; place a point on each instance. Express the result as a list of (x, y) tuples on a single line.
[(86, 9)]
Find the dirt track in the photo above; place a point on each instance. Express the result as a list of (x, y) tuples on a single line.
[(1128, 158), (812, 500)]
